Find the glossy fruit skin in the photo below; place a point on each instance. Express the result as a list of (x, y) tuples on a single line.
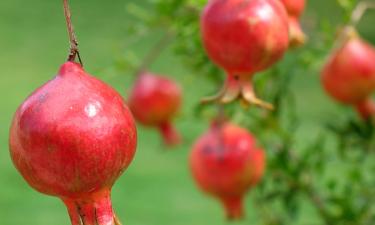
[(295, 9), (154, 101), (72, 138), (243, 37), (226, 163), (349, 74)]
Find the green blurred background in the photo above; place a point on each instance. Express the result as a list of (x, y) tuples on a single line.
[(157, 188)]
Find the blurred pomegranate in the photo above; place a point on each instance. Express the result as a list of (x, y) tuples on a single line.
[(154, 101), (349, 74), (226, 163)]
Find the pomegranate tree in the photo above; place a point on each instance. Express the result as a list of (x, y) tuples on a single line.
[(226, 163), (244, 37), (349, 74), (295, 8), (154, 101)]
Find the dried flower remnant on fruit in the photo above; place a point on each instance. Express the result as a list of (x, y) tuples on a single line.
[(295, 9)]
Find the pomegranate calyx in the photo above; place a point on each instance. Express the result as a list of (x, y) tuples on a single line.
[(92, 209), (366, 109), (234, 208), (238, 87), (297, 36), (170, 135)]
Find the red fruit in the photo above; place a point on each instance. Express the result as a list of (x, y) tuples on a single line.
[(226, 163), (72, 138), (295, 8), (244, 37), (154, 101), (349, 74)]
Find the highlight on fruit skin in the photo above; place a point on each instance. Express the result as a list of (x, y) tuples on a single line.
[(295, 9), (226, 164), (244, 37), (349, 74), (72, 138), (154, 101)]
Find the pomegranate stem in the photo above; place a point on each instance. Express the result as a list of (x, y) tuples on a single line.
[(155, 51), (72, 37), (359, 11)]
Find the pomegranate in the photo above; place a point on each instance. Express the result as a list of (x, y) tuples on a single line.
[(349, 74), (226, 163), (154, 101), (295, 8), (72, 138), (244, 37)]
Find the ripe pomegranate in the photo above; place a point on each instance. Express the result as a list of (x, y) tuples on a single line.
[(295, 8), (244, 37), (154, 101), (349, 74), (226, 163), (72, 138)]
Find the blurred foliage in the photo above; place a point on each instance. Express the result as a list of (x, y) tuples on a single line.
[(294, 172)]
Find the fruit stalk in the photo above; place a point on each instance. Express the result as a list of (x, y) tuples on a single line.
[(359, 11), (72, 37), (154, 53)]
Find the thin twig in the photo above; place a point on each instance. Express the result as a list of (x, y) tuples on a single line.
[(359, 11), (72, 37), (154, 53)]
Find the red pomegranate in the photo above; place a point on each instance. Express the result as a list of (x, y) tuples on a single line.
[(349, 74), (244, 37), (295, 8), (154, 101), (226, 163), (72, 138)]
